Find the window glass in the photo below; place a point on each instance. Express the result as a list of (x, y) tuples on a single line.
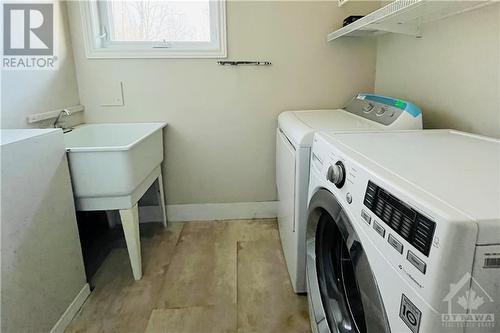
[(160, 21)]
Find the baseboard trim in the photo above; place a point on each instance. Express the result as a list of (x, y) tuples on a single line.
[(72, 310), (222, 211)]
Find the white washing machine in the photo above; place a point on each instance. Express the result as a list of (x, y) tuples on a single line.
[(403, 232), (293, 146)]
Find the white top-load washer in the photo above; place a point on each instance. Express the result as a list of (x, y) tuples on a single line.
[(293, 145), (403, 232)]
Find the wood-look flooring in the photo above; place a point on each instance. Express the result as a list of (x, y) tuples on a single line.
[(226, 276)]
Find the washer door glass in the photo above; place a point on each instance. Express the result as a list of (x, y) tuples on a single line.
[(348, 290)]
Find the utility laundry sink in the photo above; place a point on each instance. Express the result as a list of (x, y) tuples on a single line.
[(112, 166)]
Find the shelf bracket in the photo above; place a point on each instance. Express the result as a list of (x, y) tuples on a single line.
[(399, 28)]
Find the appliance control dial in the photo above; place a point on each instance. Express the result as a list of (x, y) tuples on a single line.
[(381, 111), (368, 108), (336, 174)]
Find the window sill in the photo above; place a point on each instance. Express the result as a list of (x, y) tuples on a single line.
[(154, 54)]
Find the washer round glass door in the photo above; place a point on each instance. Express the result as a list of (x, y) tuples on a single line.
[(338, 270)]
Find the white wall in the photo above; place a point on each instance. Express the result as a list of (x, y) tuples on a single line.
[(222, 120), (453, 72), (28, 92)]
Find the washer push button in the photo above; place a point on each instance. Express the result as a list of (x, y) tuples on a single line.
[(416, 261), (395, 243), (366, 216), (348, 198), (379, 229)]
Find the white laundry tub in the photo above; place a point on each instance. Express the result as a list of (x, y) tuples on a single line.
[(112, 165)]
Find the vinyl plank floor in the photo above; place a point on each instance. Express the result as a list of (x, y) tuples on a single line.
[(215, 276), (193, 319), (266, 301), (203, 269), (202, 274), (118, 303)]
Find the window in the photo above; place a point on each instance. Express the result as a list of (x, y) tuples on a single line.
[(154, 29)]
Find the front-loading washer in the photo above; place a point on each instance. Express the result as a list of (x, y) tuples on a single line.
[(403, 232), (293, 146)]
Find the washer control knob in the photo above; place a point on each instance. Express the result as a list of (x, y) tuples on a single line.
[(368, 108), (336, 174), (381, 111)]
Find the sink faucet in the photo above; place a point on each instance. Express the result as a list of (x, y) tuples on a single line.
[(56, 122)]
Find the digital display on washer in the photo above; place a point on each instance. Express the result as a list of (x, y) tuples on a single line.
[(407, 222)]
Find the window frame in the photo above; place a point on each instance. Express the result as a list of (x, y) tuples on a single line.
[(96, 47)]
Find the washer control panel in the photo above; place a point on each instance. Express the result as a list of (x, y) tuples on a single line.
[(415, 228), (381, 109)]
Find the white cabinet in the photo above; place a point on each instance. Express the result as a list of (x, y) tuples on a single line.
[(42, 264)]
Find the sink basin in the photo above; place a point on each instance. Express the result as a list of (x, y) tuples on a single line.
[(112, 165)]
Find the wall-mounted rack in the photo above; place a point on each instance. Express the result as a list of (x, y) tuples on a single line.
[(405, 17), (34, 118), (244, 63)]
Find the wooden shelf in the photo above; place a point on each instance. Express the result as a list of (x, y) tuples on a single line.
[(405, 17)]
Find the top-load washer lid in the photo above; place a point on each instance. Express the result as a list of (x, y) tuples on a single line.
[(458, 169), (299, 126)]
